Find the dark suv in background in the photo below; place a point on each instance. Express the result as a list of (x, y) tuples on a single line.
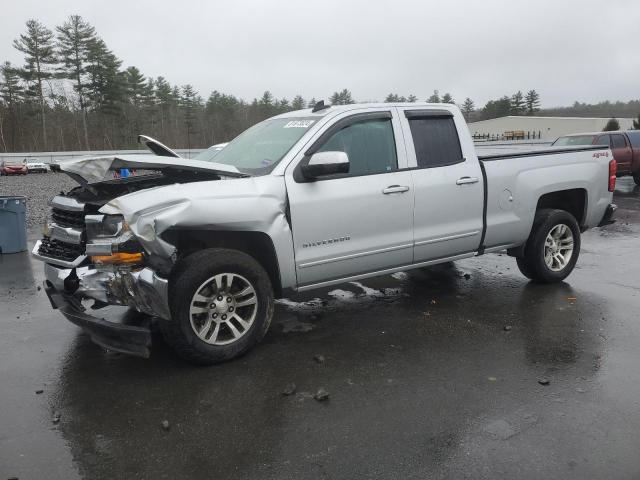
[(625, 146)]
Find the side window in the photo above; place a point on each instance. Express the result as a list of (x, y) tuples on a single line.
[(436, 141), (618, 141), (370, 145), (604, 140)]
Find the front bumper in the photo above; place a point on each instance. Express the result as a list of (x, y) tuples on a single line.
[(607, 218), (133, 340), (142, 290)]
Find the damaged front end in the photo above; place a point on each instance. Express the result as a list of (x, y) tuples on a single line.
[(94, 259)]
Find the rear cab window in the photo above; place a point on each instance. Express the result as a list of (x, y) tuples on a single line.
[(603, 140), (435, 138), (618, 141)]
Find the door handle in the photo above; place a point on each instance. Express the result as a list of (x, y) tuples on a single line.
[(395, 189), (467, 180)]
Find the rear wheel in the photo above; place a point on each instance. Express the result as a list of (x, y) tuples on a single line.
[(221, 305), (552, 249)]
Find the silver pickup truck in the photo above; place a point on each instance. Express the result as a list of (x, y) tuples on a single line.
[(299, 201)]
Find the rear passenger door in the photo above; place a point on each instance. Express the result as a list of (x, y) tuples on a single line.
[(448, 188), (621, 152)]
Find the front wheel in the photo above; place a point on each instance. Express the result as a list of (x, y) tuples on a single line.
[(221, 306), (552, 249)]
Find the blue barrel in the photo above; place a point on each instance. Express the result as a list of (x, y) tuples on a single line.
[(13, 224)]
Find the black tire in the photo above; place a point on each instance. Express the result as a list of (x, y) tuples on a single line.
[(533, 264), (636, 178), (189, 275)]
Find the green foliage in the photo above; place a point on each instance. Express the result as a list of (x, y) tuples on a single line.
[(297, 103), (447, 98), (11, 92), (135, 85), (497, 108), (518, 106), (341, 98), (467, 108), (611, 125), (532, 102), (636, 123), (435, 98)]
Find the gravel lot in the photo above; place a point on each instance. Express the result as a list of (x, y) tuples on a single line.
[(39, 188)]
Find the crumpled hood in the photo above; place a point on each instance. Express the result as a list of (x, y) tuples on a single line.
[(97, 169)]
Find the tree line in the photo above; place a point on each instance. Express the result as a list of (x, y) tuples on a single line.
[(73, 93)]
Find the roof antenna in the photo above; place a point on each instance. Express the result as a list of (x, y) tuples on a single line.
[(319, 106)]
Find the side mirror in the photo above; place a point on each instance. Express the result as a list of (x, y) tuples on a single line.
[(325, 163)]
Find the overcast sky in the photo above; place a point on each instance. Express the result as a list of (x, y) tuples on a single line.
[(568, 50)]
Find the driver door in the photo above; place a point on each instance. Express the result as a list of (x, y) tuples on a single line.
[(351, 224)]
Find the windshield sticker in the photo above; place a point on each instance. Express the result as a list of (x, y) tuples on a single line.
[(299, 124)]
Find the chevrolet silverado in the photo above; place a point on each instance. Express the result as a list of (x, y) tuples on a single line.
[(299, 201)]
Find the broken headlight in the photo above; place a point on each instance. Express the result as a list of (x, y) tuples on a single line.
[(110, 240), (105, 226)]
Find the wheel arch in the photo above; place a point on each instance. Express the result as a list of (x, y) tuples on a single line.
[(258, 245), (574, 201)]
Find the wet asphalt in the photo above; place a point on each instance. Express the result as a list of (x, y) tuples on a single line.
[(436, 377)]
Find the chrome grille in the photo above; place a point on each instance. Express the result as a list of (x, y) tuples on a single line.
[(65, 218)]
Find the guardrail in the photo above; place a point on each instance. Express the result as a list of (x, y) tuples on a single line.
[(54, 157)]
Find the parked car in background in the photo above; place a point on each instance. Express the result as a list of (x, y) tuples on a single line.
[(37, 167), (625, 146), (13, 167)]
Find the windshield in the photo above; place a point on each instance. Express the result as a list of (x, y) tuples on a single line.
[(259, 149), (208, 154), (574, 140)]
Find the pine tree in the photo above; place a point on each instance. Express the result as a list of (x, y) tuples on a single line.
[(412, 99), (447, 98), (467, 108), (312, 103), (611, 125), (342, 98), (517, 104), (38, 48), (297, 103), (636, 123), (189, 101), (435, 98), (532, 101), (135, 85), (12, 95), (74, 38)]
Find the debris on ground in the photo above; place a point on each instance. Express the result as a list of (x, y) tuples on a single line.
[(544, 381), (321, 395), (319, 358), (467, 276), (165, 425), (38, 392), (492, 379), (290, 389), (56, 418), (507, 328), (38, 288)]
